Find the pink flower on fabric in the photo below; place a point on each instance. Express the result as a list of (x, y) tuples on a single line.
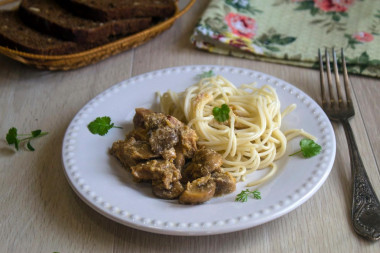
[(333, 5), (363, 36), (237, 43), (241, 25)]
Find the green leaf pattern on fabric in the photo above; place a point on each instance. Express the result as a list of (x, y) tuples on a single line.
[(243, 6), (291, 31)]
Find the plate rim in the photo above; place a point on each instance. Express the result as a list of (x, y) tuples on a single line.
[(172, 228)]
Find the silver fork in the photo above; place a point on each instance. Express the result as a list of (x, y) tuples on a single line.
[(365, 205)]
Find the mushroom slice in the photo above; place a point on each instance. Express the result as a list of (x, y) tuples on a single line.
[(225, 183), (198, 191), (160, 190)]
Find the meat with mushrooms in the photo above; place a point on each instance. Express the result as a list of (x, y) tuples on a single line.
[(157, 151)]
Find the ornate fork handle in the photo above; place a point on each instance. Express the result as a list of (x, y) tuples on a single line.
[(365, 205)]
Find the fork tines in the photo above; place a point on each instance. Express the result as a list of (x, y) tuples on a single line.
[(331, 101)]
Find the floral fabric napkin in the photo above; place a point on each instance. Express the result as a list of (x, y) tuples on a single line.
[(291, 31)]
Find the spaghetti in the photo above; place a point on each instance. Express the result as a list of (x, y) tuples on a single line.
[(250, 139)]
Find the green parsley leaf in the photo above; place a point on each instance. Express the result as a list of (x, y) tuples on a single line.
[(243, 196), (101, 125), (12, 137), (36, 133), (308, 148), (29, 146), (221, 114), (207, 74)]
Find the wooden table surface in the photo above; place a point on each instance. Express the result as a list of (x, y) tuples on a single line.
[(41, 213)]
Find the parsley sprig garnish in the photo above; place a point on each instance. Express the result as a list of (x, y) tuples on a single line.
[(243, 196), (222, 113), (13, 138), (207, 74), (308, 148), (101, 125)]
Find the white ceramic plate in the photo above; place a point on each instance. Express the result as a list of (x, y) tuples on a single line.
[(102, 183)]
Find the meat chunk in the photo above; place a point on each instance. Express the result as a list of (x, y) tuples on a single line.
[(148, 119), (162, 140), (163, 132), (166, 134), (225, 183), (188, 141), (156, 120), (204, 162), (179, 160), (131, 152), (161, 191), (139, 118), (140, 134), (198, 191), (174, 122), (209, 158), (162, 171)]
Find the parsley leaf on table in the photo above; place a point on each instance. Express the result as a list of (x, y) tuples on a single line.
[(101, 125), (13, 138), (308, 148), (221, 114), (243, 196)]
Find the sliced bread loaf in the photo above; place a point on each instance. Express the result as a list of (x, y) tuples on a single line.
[(50, 17), (104, 10), (16, 35)]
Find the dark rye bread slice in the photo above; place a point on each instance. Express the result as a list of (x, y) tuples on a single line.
[(104, 10), (16, 35), (50, 17)]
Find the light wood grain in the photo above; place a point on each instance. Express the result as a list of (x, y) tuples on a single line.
[(40, 212)]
